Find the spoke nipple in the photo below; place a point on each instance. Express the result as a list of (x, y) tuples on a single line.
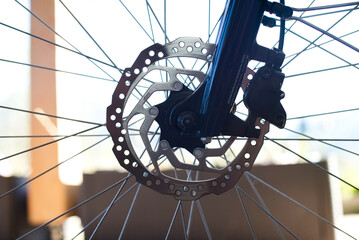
[(153, 111)]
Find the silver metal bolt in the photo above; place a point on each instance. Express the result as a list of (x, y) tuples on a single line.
[(177, 85), (197, 153), (164, 144), (153, 111)]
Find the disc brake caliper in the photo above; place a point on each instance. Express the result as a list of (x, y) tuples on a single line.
[(263, 96)]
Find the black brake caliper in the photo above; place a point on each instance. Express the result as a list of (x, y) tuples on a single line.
[(263, 94)]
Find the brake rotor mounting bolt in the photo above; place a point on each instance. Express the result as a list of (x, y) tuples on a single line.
[(177, 85), (153, 111), (197, 153), (164, 145)]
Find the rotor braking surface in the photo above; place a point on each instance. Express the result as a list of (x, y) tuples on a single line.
[(142, 141)]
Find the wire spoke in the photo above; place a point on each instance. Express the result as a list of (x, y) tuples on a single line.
[(327, 33), (255, 190), (49, 115), (209, 19), (129, 211), (205, 63), (183, 223), (326, 113), (173, 219), (57, 45), (326, 7), (159, 24), (190, 217), (54, 136), (48, 143), (103, 211), (322, 70), (119, 198), (215, 26), (164, 31), (322, 141), (297, 203), (316, 139), (57, 34), (320, 36), (326, 13), (134, 18), (314, 164), (317, 46), (88, 34), (108, 208), (266, 212), (324, 43), (55, 70), (51, 168), (149, 20), (246, 212), (203, 218), (75, 207), (165, 19)]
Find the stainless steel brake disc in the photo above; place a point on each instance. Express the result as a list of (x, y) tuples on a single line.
[(138, 145)]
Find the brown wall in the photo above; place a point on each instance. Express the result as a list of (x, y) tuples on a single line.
[(153, 212)]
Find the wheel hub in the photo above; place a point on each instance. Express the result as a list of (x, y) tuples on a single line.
[(172, 131)]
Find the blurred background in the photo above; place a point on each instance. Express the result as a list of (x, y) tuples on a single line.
[(71, 86)]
